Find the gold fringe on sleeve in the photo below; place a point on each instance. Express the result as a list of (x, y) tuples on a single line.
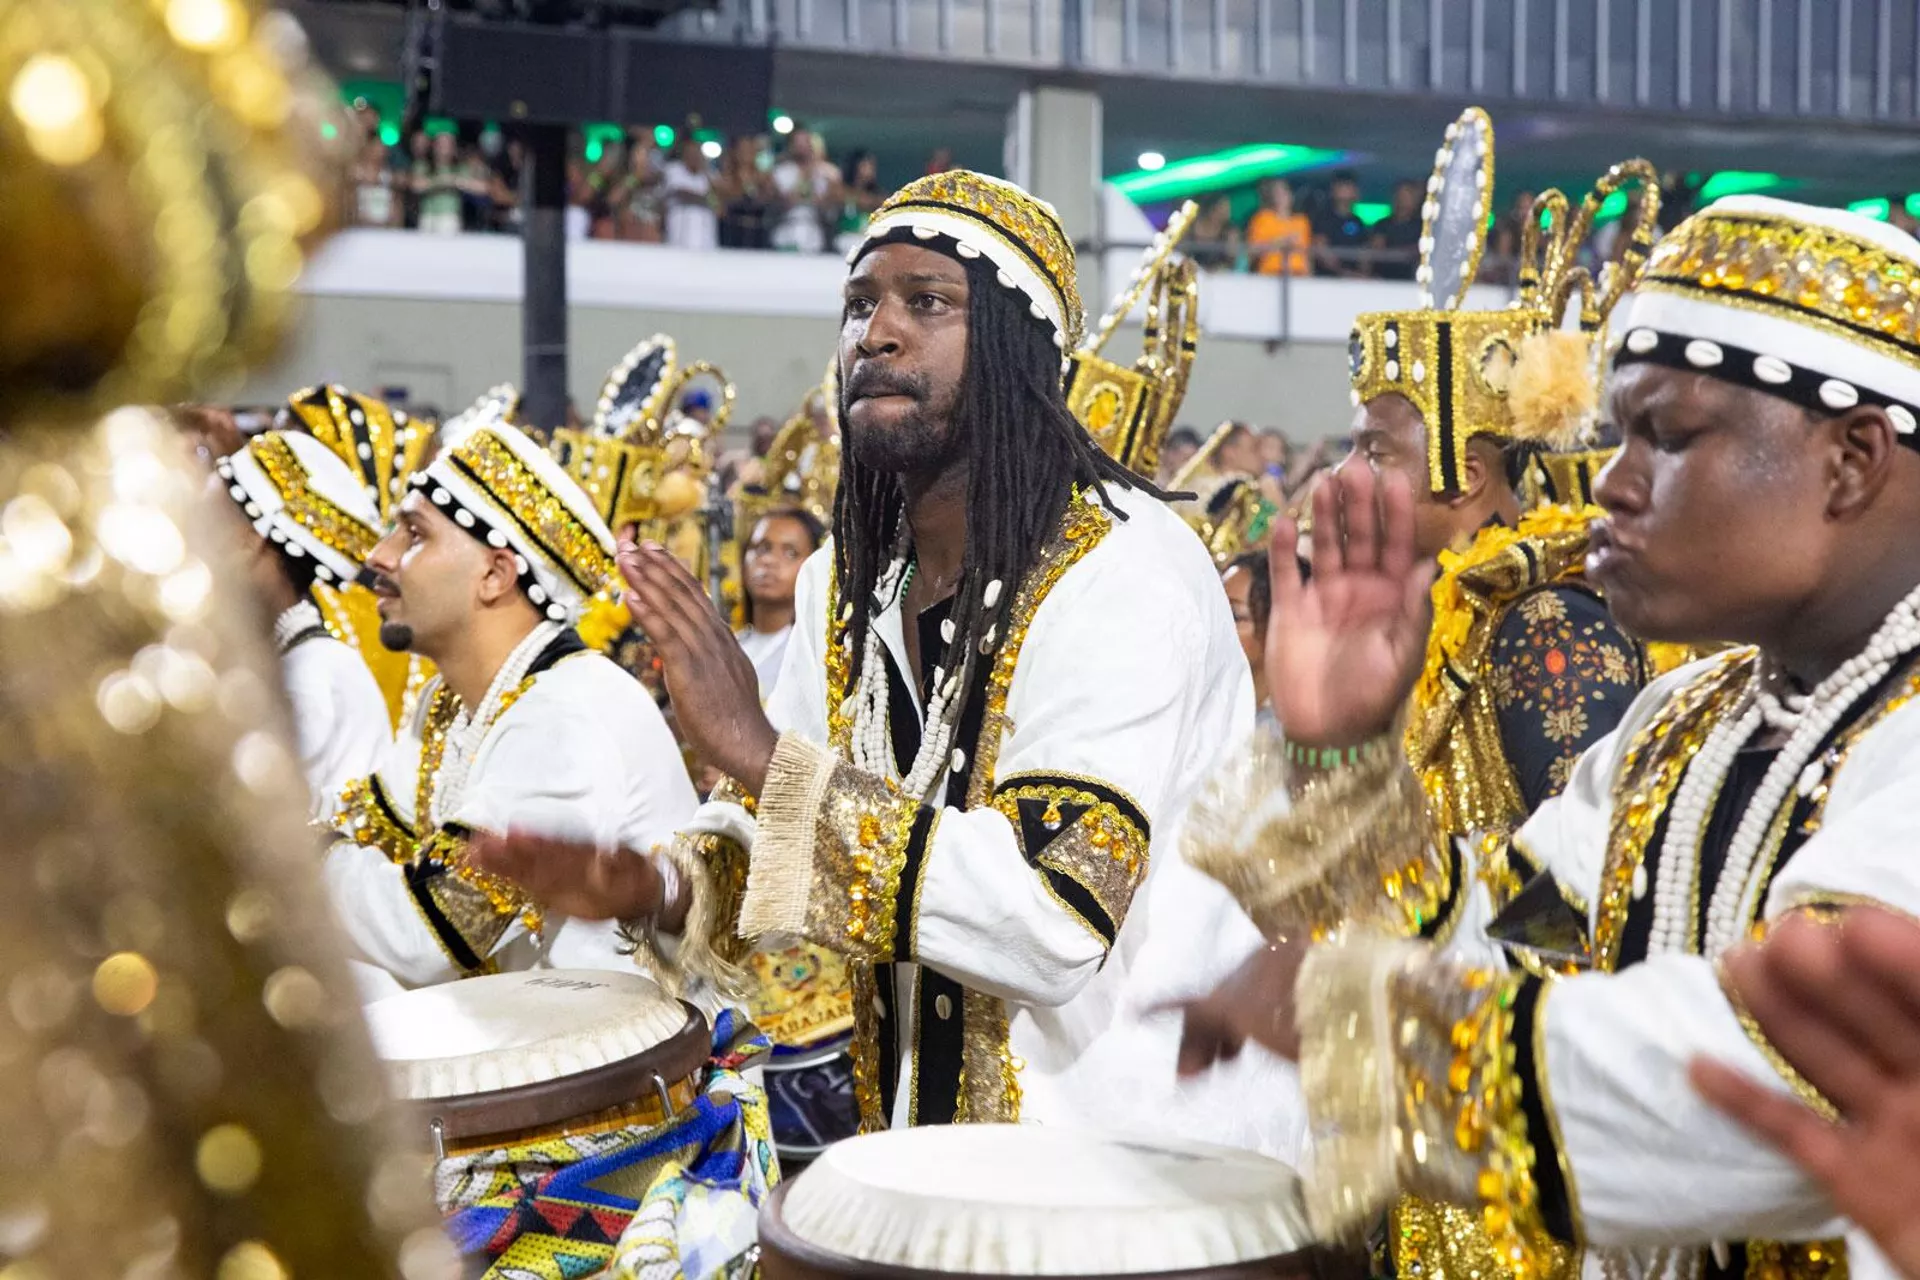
[(714, 869), (1310, 853), (1408, 1063)]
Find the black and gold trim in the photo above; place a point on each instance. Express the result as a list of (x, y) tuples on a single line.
[(1086, 839), (466, 919), (367, 817)]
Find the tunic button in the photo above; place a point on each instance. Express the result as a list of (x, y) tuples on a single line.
[(943, 1007)]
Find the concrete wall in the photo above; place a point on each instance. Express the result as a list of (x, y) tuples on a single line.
[(446, 352)]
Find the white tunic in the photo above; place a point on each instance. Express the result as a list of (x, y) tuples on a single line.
[(1130, 674), (583, 753), (340, 719)]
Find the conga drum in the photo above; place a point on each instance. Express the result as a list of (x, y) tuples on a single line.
[(555, 1100), (1025, 1200)]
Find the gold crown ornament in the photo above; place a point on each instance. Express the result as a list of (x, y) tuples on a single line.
[(641, 460), (1511, 373), (383, 446), (802, 466), (1129, 410)]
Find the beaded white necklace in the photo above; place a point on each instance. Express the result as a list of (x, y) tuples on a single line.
[(300, 617), (1807, 721), (872, 725), (469, 727)]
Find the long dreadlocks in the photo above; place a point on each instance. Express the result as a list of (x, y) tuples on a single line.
[(1026, 454)]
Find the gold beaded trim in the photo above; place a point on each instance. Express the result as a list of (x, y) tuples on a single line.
[(328, 524), (366, 819), (1643, 788), (538, 512), (1104, 851), (1813, 274)]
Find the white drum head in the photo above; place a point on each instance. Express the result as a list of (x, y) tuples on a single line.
[(511, 1029), (1033, 1201)]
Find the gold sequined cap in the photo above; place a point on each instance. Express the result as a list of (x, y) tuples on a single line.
[(1815, 305), (995, 220), (501, 487), (382, 445), (1457, 365), (304, 499)]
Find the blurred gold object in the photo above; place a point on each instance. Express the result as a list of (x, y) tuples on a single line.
[(1128, 411), (1230, 514), (384, 447), (801, 472), (168, 1116)]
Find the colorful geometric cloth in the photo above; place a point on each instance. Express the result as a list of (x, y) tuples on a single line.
[(677, 1201)]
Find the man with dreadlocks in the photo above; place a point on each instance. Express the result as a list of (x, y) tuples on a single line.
[(1011, 668)]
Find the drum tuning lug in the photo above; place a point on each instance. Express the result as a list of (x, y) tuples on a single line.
[(666, 1100), (439, 1131)]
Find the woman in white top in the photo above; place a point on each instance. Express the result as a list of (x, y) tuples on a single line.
[(691, 220), (780, 544)]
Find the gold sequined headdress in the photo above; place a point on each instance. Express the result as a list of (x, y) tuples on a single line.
[(382, 445), (1129, 410), (305, 500), (1814, 305), (639, 459), (1458, 366), (505, 490), (987, 218)]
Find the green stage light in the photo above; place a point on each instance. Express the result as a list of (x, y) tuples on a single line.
[(1878, 209), (663, 136), (1234, 167), (390, 134), (1372, 212), (1741, 182)]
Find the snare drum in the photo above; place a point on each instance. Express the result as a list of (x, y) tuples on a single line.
[(1023, 1200), (565, 1108)]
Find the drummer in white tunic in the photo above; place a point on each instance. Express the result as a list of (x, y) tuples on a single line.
[(314, 526), (1009, 672), (525, 728)]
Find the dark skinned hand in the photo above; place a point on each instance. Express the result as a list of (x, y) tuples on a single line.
[(576, 878), (1344, 650), (716, 695), (1842, 1004), (1254, 1002)]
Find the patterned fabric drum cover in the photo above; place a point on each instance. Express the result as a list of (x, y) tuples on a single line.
[(648, 1199)]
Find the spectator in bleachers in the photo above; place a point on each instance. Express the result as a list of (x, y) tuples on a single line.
[(687, 192), (809, 188), (746, 195), (1501, 264), (636, 198), (417, 161), (580, 198), (1214, 242), (507, 165), (375, 202), (1338, 232), (862, 194), (443, 185), (1277, 237), (1398, 238)]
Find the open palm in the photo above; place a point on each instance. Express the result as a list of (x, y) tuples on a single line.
[(1344, 649)]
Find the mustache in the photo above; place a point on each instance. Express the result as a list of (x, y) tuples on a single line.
[(379, 583), (877, 380)]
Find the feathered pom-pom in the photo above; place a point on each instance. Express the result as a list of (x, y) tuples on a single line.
[(603, 621), (1552, 393)]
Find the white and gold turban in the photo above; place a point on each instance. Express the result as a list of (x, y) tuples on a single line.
[(300, 496)]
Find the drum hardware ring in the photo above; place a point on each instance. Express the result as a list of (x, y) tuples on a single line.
[(666, 1100), (438, 1129)]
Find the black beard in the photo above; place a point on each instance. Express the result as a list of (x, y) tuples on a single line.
[(397, 637)]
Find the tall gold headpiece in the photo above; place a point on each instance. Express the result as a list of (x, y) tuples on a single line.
[(383, 446), (1128, 411), (1509, 373), (640, 459)]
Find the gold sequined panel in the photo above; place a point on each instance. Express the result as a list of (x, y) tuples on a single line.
[(535, 509), (1084, 835), (1439, 1036), (726, 867), (326, 522), (860, 845), (1811, 1260), (729, 791), (1029, 227), (344, 420), (1453, 729), (1848, 286), (1310, 853), (1649, 773), (989, 1073), (367, 817), (455, 895), (864, 1048)]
